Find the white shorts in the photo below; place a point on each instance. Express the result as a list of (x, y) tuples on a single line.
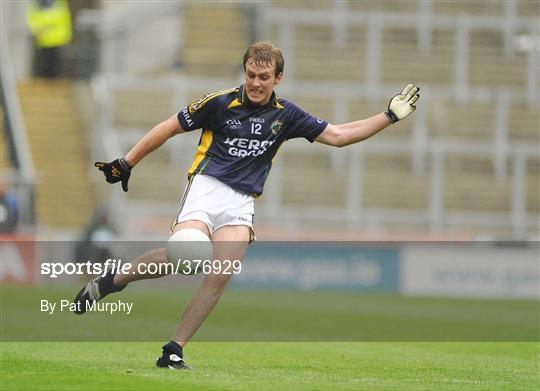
[(216, 204)]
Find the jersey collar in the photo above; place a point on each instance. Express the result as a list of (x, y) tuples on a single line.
[(244, 100)]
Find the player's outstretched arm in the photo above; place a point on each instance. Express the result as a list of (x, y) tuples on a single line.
[(399, 107), (119, 170)]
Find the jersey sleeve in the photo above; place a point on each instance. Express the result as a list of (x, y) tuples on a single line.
[(199, 114), (305, 125)]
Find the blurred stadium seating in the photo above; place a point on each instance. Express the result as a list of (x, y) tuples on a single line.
[(64, 194), (467, 161), (4, 158)]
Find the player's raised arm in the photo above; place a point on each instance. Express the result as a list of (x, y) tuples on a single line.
[(154, 139), (400, 107), (120, 169)]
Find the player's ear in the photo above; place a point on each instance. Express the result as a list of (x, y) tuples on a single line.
[(279, 78)]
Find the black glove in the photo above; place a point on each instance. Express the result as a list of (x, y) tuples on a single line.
[(116, 171)]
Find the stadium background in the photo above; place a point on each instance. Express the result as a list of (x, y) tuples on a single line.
[(465, 164), (463, 169)]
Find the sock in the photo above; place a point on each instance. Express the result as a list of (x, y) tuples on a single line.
[(106, 284), (174, 348)]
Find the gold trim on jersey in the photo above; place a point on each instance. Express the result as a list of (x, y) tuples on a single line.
[(235, 103), (202, 149), (193, 107), (278, 105)]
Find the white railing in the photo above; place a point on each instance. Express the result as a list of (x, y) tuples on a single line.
[(339, 18), (106, 145), (463, 24), (23, 177), (116, 27), (13, 110), (434, 216)]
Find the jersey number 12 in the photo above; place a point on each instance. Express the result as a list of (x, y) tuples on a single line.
[(256, 128)]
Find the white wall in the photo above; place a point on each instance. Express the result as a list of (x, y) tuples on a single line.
[(470, 270), (13, 19)]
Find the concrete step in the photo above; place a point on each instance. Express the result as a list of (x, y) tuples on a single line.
[(158, 182), (472, 7), (4, 151), (206, 50), (64, 197)]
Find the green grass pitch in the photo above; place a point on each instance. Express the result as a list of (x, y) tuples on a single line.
[(320, 362), (272, 366)]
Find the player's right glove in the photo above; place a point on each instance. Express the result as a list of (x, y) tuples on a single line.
[(116, 171), (402, 105)]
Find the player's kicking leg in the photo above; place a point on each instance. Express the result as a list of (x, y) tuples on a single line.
[(96, 290), (230, 242), (113, 282)]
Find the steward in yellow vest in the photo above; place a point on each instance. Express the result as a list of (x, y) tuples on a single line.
[(50, 24)]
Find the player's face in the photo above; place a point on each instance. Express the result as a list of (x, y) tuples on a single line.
[(260, 81)]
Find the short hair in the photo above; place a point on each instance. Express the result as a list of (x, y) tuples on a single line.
[(265, 53)]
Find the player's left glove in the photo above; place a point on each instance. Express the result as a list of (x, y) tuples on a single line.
[(402, 105), (116, 171)]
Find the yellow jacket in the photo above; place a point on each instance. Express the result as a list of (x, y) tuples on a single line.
[(50, 26)]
